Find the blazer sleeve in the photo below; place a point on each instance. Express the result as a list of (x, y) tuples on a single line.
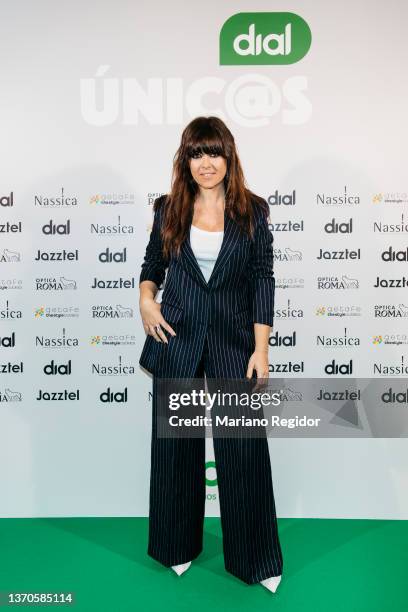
[(262, 274), (154, 264)]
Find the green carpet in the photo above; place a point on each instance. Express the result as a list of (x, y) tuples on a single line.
[(330, 565)]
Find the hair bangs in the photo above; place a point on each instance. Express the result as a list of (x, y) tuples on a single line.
[(210, 144)]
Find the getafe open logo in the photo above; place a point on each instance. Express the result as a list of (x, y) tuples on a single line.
[(264, 38)]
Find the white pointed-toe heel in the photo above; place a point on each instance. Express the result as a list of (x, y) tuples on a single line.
[(271, 583), (180, 569)]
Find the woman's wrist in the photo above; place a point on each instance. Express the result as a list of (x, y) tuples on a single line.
[(147, 292), (261, 338), (146, 299)]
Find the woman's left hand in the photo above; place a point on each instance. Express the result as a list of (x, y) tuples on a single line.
[(259, 362)]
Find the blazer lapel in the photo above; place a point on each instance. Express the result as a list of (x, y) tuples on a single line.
[(230, 239)]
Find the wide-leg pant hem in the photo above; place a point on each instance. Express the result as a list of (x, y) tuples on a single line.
[(257, 579), (167, 563)]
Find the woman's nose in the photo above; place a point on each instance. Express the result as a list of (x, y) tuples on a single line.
[(206, 161)]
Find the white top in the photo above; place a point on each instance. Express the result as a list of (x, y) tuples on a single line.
[(206, 246)]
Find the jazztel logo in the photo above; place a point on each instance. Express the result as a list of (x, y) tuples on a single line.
[(264, 38)]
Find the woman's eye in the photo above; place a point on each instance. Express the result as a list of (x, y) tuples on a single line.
[(198, 155)]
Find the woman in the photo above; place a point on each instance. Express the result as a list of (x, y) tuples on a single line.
[(215, 317)]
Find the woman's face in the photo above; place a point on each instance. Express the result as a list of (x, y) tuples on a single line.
[(208, 170)]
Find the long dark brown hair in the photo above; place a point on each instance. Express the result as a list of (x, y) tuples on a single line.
[(207, 135)]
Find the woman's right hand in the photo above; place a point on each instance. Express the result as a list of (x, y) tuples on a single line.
[(150, 311)]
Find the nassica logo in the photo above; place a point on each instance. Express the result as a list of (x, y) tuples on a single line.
[(264, 38)]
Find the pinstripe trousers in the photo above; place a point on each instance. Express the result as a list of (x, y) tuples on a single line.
[(251, 545)]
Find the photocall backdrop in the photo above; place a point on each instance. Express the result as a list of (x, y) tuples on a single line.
[(94, 99)]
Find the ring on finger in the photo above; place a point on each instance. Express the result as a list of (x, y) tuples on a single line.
[(157, 329)]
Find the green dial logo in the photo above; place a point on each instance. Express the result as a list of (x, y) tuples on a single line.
[(264, 38)]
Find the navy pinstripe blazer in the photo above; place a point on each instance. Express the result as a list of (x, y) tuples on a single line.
[(239, 293)]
